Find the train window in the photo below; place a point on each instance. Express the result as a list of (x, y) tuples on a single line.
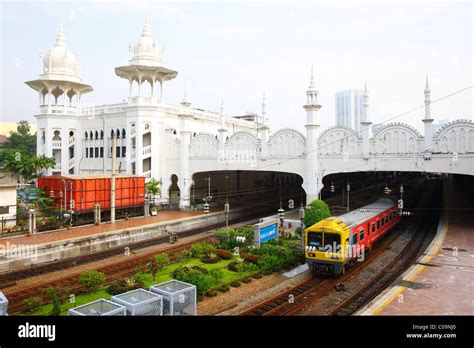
[(386, 219), (383, 221), (332, 241), (373, 227), (315, 239), (378, 224), (361, 232), (354, 239)]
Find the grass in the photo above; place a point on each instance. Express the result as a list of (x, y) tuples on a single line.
[(164, 275)]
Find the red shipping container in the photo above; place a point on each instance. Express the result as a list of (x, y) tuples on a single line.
[(88, 190)]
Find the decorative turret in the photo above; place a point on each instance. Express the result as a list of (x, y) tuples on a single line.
[(311, 183), (428, 120), (264, 128), (222, 133), (184, 179), (146, 64), (366, 124)]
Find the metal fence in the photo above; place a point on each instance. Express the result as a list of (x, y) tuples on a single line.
[(100, 307), (179, 298), (3, 304), (140, 302)]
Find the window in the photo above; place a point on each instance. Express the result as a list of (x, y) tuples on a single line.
[(361, 232), (332, 241), (87, 152), (378, 224), (91, 152), (4, 209), (354, 239), (96, 152), (101, 152), (383, 221), (124, 152), (373, 227), (315, 239), (117, 151), (386, 219)]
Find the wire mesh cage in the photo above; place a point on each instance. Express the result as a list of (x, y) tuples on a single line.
[(179, 298), (140, 302), (100, 307), (3, 304)]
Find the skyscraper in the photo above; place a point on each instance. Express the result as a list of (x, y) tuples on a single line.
[(350, 108)]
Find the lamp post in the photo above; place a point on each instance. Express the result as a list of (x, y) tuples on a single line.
[(226, 211), (348, 188), (333, 189), (301, 216)]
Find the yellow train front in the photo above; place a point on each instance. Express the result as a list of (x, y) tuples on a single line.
[(335, 242), (326, 246)]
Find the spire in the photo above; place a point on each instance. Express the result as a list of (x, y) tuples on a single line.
[(185, 101), (264, 109), (366, 103), (61, 39), (312, 83), (427, 86), (146, 29), (366, 91), (222, 107)]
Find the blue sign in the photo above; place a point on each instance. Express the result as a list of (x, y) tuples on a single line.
[(268, 232)]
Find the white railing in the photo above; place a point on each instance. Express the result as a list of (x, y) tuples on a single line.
[(56, 144), (71, 162), (143, 101), (133, 131), (146, 150), (71, 140), (58, 109), (133, 154), (57, 166)]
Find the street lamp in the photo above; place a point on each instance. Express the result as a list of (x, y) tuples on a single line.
[(348, 188), (301, 216), (226, 211), (333, 189)]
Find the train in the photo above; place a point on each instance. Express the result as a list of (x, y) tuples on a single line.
[(336, 243)]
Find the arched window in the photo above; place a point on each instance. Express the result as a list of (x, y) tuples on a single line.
[(123, 132), (118, 133), (101, 134), (96, 134), (86, 135), (91, 135), (112, 132)]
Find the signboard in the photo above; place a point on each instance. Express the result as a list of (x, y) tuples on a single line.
[(265, 231)]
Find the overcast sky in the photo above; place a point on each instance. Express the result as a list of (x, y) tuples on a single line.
[(238, 50)]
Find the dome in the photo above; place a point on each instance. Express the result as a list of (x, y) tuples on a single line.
[(59, 60), (146, 52)]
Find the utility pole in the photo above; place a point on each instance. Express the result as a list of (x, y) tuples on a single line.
[(112, 180)]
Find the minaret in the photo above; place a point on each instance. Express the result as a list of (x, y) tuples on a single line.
[(311, 179), (222, 134), (184, 179), (264, 128), (428, 120), (366, 124)]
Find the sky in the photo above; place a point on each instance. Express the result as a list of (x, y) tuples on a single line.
[(239, 50)]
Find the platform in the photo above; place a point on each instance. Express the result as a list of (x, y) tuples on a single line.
[(442, 281)]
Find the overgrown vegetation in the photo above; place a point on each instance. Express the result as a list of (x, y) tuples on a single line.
[(316, 211), (91, 279)]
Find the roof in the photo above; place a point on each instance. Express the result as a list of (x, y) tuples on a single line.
[(136, 296), (99, 307), (172, 286), (356, 216), (91, 177)]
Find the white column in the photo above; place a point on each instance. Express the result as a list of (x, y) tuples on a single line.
[(130, 88), (428, 120), (155, 133), (264, 141), (139, 147), (128, 142), (151, 84), (166, 174), (366, 124), (184, 180), (64, 150)]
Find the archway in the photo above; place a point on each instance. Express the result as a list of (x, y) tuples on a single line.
[(174, 191)]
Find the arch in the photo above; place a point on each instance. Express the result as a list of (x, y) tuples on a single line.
[(397, 138), (455, 136), (286, 142), (101, 134), (56, 135), (174, 190), (242, 141), (123, 133), (91, 135), (118, 133), (338, 140), (96, 135), (86, 136), (203, 145)]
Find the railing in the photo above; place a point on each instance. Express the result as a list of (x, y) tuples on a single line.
[(71, 163), (133, 154), (146, 150), (147, 175), (71, 140), (143, 101), (57, 166), (59, 109), (56, 144), (133, 131)]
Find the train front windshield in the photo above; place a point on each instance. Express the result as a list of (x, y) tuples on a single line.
[(332, 242), (315, 239)]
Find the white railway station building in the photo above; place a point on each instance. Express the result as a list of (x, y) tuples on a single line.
[(164, 141)]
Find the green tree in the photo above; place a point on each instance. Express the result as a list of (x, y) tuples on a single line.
[(18, 154), (316, 211), (157, 263), (153, 187), (53, 293)]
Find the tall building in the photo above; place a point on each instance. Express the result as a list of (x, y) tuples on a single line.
[(350, 108)]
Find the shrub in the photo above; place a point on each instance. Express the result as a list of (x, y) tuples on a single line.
[(270, 263), (211, 293), (203, 282), (246, 280), (53, 294), (201, 249), (235, 284), (223, 254), (201, 269), (210, 258), (227, 240), (250, 257), (32, 303), (257, 276), (120, 286), (223, 288), (267, 272), (246, 267), (91, 279), (232, 267)]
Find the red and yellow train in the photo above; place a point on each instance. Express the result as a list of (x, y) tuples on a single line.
[(336, 242)]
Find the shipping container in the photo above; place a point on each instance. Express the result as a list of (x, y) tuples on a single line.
[(80, 193)]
